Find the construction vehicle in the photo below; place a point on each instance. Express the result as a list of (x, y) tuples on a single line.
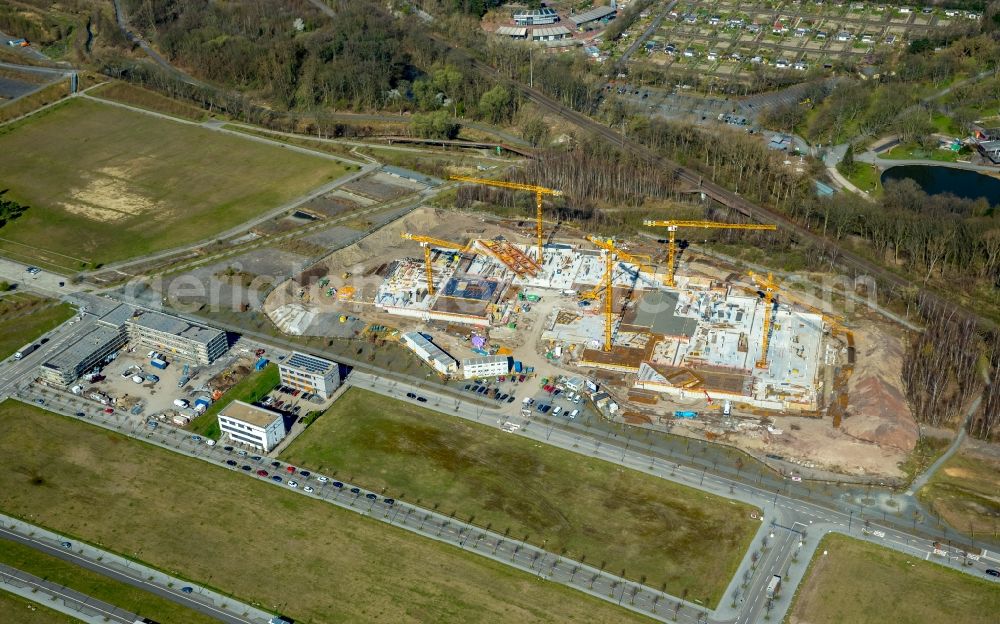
[(539, 191), (769, 286), (610, 252), (668, 279), (427, 243)]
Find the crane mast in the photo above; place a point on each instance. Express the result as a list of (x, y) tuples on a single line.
[(672, 227), (770, 288), (427, 243), (539, 191)]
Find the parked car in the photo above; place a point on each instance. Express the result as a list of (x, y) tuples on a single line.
[(421, 399), (261, 473)]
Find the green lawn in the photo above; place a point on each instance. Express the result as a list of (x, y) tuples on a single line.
[(255, 540), (22, 611), (915, 152), (24, 317), (104, 183), (250, 389), (861, 583), (864, 176), (100, 587), (618, 519), (965, 492)]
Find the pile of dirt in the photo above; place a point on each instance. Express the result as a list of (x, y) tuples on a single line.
[(877, 411)]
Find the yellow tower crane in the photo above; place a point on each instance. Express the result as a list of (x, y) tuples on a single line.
[(769, 286), (672, 226), (610, 252), (427, 243), (539, 191)]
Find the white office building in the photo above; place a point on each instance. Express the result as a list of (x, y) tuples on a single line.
[(488, 366), (309, 373), (431, 353), (248, 424)]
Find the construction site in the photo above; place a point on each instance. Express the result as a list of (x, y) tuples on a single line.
[(589, 303)]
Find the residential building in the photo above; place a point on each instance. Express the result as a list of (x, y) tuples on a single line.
[(309, 373), (248, 424), (990, 150), (488, 366), (541, 16), (66, 366), (430, 353)]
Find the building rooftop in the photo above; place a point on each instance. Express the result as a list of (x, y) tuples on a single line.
[(72, 356), (656, 310), (309, 363), (512, 31), (593, 14), (433, 351), (550, 32), (250, 414), (487, 359), (157, 321)]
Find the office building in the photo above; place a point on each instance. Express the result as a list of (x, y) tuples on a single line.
[(309, 373), (255, 426)]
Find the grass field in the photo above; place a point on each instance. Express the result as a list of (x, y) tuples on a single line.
[(257, 541), (652, 529), (862, 583), (965, 492), (24, 317), (104, 183), (149, 100), (28, 612), (102, 588), (915, 152), (250, 389)]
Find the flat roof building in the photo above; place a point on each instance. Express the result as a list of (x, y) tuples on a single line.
[(487, 366), (533, 18), (309, 373), (169, 334), (430, 353), (66, 366), (255, 426)]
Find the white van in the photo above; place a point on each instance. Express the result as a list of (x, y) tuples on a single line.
[(574, 413), (556, 410), (180, 403)]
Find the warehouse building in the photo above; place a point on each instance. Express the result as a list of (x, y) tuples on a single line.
[(309, 373), (554, 33), (430, 353), (248, 424), (66, 366), (489, 366), (513, 32), (593, 15)]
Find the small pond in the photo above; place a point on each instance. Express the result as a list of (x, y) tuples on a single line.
[(959, 182)]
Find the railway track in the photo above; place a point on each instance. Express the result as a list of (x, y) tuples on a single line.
[(845, 257)]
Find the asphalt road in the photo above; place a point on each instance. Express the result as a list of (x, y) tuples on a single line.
[(79, 605), (90, 563)]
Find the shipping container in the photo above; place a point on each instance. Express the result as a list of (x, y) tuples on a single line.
[(158, 363)]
